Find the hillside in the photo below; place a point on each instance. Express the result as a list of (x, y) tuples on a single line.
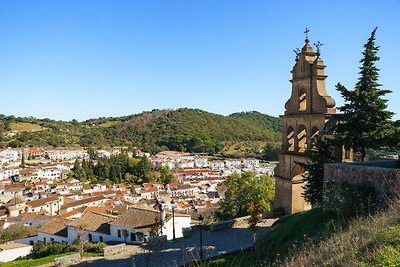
[(183, 129), (322, 238)]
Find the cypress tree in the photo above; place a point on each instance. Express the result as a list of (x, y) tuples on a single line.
[(365, 122), (320, 152)]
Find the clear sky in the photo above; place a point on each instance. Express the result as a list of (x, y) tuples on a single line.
[(81, 59)]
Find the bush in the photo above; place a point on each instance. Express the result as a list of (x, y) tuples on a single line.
[(94, 247), (41, 249)]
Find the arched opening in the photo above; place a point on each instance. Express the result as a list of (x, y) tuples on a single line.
[(314, 132), (302, 138), (290, 138), (302, 99), (297, 173)]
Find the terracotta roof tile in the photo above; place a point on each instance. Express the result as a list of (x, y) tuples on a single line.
[(57, 226), (136, 218), (94, 222)]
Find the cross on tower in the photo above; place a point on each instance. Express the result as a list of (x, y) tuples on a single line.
[(306, 32)]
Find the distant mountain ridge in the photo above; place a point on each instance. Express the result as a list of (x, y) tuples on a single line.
[(183, 129)]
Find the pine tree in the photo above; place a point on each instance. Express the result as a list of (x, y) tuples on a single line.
[(320, 152), (365, 122)]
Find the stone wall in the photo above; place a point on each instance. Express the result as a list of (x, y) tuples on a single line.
[(382, 175)]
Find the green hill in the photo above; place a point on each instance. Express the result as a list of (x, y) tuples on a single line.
[(183, 129)]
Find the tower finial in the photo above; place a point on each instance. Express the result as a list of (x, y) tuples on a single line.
[(297, 52), (306, 32), (318, 45)]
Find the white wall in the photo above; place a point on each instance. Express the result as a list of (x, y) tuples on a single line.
[(12, 254), (73, 233), (41, 237), (180, 222)]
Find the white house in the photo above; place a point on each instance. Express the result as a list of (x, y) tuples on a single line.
[(51, 173), (10, 154), (135, 223)]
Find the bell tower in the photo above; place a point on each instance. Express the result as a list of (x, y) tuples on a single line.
[(306, 112)]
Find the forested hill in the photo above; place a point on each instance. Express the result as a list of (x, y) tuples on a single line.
[(183, 129)]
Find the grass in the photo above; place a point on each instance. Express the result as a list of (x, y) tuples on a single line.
[(33, 262), (241, 148), (107, 124), (25, 127), (320, 238), (288, 233), (368, 241)]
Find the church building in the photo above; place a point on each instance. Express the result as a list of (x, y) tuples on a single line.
[(306, 113)]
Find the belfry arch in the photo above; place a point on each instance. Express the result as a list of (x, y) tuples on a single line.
[(306, 112), (302, 99), (290, 141), (302, 139)]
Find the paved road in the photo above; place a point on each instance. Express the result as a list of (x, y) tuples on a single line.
[(178, 252)]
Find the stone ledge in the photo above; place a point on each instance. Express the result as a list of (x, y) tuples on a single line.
[(67, 260), (115, 249)]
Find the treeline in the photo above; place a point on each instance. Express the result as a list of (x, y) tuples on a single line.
[(189, 130), (120, 168)]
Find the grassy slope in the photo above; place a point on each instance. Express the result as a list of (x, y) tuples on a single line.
[(25, 127), (288, 233), (318, 238)]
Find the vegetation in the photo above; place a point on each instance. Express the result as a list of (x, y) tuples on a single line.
[(33, 262), (189, 130), (365, 122), (368, 241), (319, 153), (246, 194), (16, 231), (286, 235), (115, 170)]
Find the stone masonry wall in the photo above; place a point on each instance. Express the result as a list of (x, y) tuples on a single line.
[(382, 175)]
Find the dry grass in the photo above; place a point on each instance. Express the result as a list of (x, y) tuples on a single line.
[(25, 127), (367, 241)]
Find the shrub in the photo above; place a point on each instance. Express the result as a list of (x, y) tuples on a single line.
[(94, 247), (350, 199), (41, 249)]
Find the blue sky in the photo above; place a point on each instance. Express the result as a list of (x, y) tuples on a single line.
[(95, 58)]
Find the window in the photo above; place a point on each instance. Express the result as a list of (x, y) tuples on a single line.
[(90, 237), (119, 233), (314, 132), (100, 238), (302, 100)]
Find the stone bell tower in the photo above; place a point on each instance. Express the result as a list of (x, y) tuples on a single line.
[(306, 112)]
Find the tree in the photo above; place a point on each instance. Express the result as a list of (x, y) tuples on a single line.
[(166, 176), (22, 165), (365, 122), (320, 152), (246, 194), (143, 170), (271, 151)]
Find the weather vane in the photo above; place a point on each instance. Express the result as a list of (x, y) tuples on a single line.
[(306, 32), (318, 45)]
